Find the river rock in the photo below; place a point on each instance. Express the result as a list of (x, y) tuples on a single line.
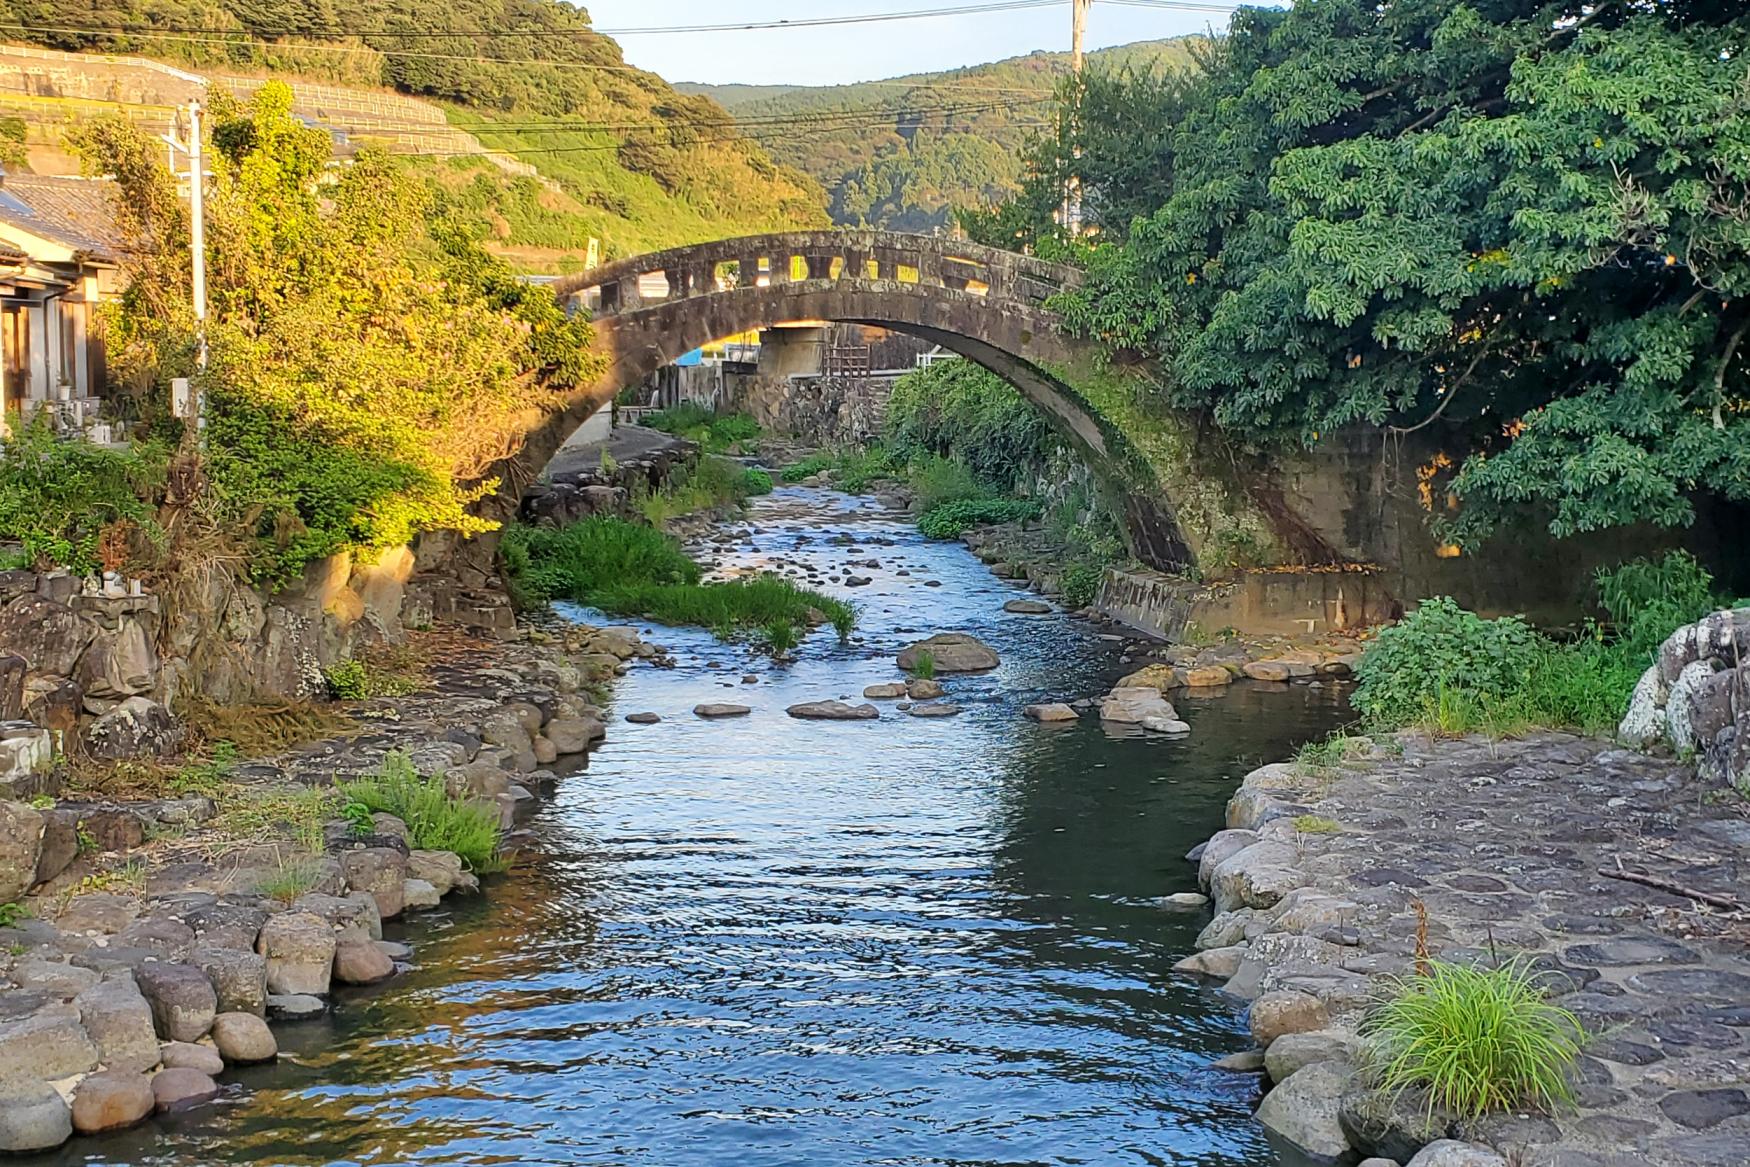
[(1226, 929), (295, 1006), (191, 1055), (646, 718), (382, 873), (1220, 847), (1208, 677), (1257, 877), (1050, 711), (1392, 1124), (1184, 901), (833, 711), (419, 893), (934, 709), (712, 710), (1028, 608), (1285, 1011), (56, 978), (1268, 670), (442, 869), (1303, 1111), (182, 999), (46, 1044), (354, 913), (1215, 963), (887, 691), (952, 652), (179, 1089), (574, 735), (110, 1101), (1160, 678), (361, 962), (239, 978), (118, 1022), (1295, 1051), (1248, 1061), (1452, 1153), (244, 1038), (299, 947), (21, 837), (33, 1117), (924, 689), (1144, 706)]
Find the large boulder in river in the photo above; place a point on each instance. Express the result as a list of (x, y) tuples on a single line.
[(951, 652), (1144, 706), (1303, 1111)]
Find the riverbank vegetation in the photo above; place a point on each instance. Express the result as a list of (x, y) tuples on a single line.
[(366, 362), (715, 432), (1452, 672), (628, 569), (1515, 231), (435, 820), (706, 485)]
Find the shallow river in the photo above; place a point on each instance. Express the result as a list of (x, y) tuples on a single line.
[(767, 942)]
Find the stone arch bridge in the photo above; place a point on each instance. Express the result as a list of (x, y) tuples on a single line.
[(985, 304)]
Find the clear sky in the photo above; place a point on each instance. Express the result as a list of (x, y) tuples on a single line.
[(861, 52)]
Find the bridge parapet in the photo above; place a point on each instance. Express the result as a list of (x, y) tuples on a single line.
[(865, 258)]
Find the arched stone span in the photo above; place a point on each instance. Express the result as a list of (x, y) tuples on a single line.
[(985, 304)]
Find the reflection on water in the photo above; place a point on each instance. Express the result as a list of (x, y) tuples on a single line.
[(763, 942)]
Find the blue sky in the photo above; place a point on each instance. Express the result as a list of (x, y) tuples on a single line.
[(861, 52)]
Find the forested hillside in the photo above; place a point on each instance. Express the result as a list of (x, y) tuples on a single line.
[(631, 160), (904, 153)]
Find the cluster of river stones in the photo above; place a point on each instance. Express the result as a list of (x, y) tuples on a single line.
[(1618, 875), (128, 1001)]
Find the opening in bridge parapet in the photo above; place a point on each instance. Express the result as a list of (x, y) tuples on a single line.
[(871, 258)]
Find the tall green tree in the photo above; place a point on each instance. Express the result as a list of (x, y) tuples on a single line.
[(1520, 226)]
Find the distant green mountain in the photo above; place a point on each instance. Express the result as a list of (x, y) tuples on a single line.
[(901, 154)]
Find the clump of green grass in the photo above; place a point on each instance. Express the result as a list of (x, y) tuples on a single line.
[(1331, 752), (265, 813), (710, 483), (11, 913), (781, 637), (924, 667), (435, 821), (714, 431), (1476, 1039), (632, 570), (853, 470), (951, 519), (1313, 824), (807, 468), (292, 877)]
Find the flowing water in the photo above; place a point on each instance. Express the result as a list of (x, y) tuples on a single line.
[(768, 942)]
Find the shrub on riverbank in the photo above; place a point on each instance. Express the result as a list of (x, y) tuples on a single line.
[(1477, 1039), (435, 821), (632, 570), (1454, 672), (951, 519), (852, 470)]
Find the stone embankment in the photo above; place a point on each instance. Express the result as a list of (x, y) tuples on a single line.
[(147, 945), (1619, 874)]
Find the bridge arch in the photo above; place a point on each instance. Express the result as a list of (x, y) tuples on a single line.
[(982, 303)]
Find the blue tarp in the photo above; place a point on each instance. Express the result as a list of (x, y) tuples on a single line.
[(696, 357)]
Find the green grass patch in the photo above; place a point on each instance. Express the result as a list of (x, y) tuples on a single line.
[(924, 666), (1314, 824), (852, 470), (633, 570), (951, 519), (1477, 1039), (715, 432), (435, 821), (710, 483)]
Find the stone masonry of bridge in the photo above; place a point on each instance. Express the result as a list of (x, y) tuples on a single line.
[(988, 305)]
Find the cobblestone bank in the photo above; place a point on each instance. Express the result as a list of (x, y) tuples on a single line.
[(161, 937), (1625, 875)]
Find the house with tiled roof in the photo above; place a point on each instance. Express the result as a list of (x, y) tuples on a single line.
[(59, 259)]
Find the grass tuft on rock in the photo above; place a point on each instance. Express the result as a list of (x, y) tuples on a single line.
[(1476, 1039), (435, 821)]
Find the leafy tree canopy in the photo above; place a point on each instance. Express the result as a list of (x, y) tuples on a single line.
[(1523, 226), (366, 366)]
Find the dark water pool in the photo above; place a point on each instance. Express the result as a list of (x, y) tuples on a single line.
[(765, 942)]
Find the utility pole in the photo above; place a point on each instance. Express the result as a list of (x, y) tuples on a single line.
[(182, 404), (1072, 194)]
